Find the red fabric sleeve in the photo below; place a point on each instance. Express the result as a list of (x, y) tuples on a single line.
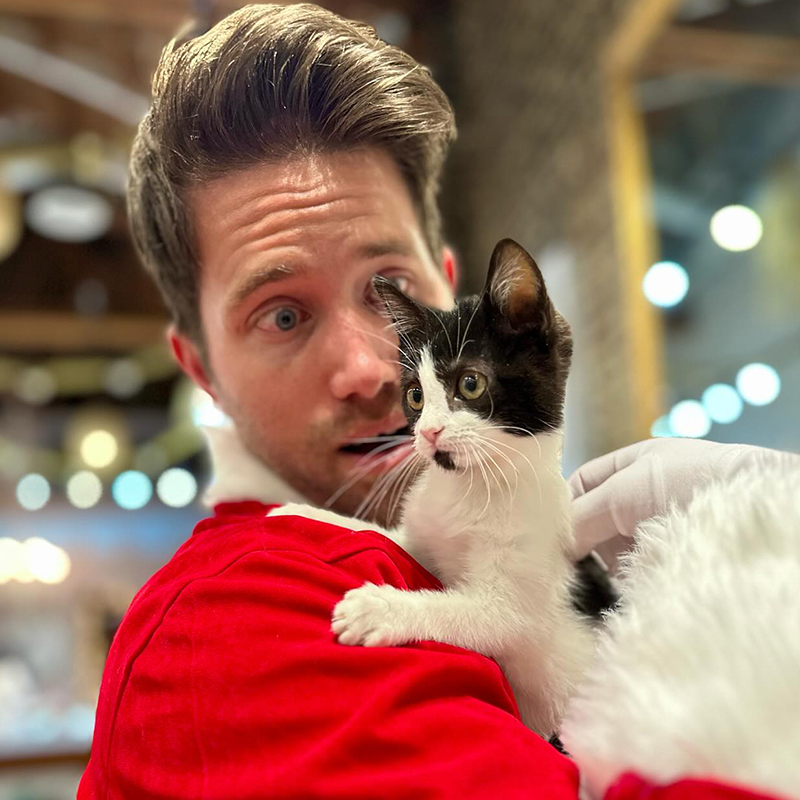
[(236, 688)]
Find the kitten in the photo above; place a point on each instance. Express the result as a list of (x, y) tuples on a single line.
[(483, 389)]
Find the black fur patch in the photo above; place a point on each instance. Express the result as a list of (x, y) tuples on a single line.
[(444, 460)]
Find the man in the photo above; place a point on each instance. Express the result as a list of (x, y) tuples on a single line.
[(288, 157)]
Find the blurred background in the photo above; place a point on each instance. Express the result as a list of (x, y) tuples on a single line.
[(646, 151)]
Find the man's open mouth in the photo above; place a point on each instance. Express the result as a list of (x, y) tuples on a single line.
[(379, 444)]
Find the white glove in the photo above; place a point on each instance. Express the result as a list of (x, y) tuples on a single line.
[(614, 493)]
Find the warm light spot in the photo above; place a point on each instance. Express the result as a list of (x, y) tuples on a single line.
[(99, 448), (736, 228), (45, 561)]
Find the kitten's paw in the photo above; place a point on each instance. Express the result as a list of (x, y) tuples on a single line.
[(369, 616)]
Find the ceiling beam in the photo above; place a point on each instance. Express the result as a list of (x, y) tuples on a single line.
[(735, 56), (53, 332)]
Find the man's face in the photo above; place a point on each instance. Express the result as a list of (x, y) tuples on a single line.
[(299, 355)]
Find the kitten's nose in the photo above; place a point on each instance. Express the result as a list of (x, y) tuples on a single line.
[(431, 434)]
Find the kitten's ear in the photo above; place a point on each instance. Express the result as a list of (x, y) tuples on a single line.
[(515, 287), (406, 314)]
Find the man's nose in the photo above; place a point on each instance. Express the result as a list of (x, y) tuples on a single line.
[(363, 363), (431, 434)]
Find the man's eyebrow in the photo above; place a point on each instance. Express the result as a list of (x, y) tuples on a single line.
[(388, 247), (261, 277)]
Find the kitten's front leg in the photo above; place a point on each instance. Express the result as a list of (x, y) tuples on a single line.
[(376, 616)]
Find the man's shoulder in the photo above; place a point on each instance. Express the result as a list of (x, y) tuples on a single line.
[(239, 561)]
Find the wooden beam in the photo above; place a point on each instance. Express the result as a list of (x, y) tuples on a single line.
[(39, 332), (632, 196), (729, 55), (642, 23)]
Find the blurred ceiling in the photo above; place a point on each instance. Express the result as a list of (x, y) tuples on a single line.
[(74, 83)]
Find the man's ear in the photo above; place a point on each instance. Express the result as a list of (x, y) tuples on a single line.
[(450, 267), (187, 354)]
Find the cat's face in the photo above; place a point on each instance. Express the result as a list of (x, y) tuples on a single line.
[(496, 364)]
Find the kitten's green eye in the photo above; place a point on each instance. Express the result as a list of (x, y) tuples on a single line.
[(472, 385), (415, 398)]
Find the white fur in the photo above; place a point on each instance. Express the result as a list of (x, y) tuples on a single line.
[(498, 535), (699, 673), (239, 475)]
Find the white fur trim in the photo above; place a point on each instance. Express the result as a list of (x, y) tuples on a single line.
[(699, 673), (239, 475)]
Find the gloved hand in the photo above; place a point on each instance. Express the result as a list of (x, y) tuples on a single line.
[(614, 493)]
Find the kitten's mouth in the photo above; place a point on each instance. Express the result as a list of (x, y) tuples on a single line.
[(444, 460), (379, 444)]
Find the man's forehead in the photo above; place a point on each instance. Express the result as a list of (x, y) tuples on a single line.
[(359, 197), (313, 177)]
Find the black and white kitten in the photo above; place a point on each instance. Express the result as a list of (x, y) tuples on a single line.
[(483, 389)]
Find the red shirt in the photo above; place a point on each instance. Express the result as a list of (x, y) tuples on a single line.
[(225, 681)]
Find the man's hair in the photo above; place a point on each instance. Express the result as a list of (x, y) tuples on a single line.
[(268, 83)]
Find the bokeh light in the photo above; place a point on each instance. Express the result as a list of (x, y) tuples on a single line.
[(11, 560), (661, 427), (99, 448), (723, 403), (736, 228), (124, 378), (132, 490), (84, 489), (176, 487), (33, 491), (665, 284), (45, 561), (35, 385), (758, 384), (68, 213), (689, 418)]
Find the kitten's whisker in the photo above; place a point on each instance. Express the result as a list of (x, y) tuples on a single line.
[(466, 330), (523, 456), (487, 455), (386, 484), (371, 333), (380, 449), (399, 363), (449, 342), (377, 492), (512, 464), (408, 476), (488, 488), (358, 474)]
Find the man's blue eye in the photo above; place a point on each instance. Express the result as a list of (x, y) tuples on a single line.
[(286, 318)]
